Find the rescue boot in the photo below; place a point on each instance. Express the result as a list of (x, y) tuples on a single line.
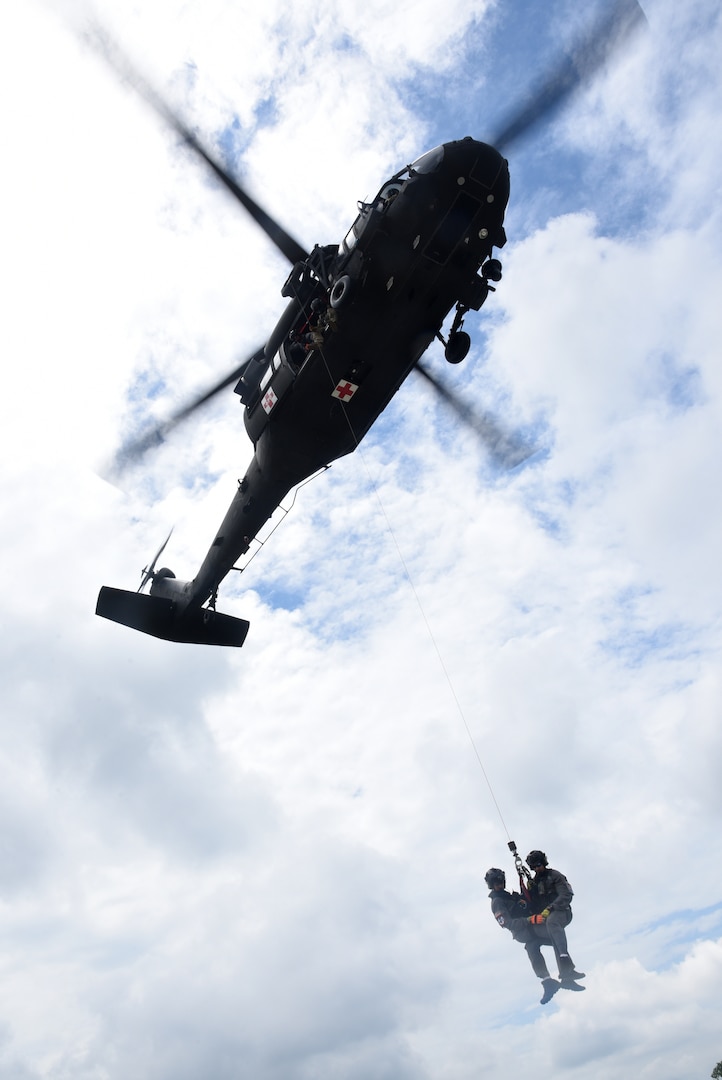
[(569, 984), (566, 968), (550, 988)]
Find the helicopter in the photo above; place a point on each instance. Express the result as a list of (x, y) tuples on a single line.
[(359, 317)]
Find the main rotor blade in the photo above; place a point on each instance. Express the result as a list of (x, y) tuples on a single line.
[(611, 31), (124, 68), (132, 452), (506, 449)]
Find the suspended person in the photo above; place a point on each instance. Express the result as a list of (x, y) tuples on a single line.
[(551, 904), (511, 911)]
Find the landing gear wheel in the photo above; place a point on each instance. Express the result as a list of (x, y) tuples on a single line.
[(457, 347), (491, 270), (341, 292)]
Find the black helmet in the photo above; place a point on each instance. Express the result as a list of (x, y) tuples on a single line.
[(495, 877), (535, 859)]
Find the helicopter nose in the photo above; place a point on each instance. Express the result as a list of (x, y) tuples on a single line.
[(480, 175), (480, 170), (491, 171)]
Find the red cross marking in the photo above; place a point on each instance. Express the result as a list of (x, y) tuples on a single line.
[(345, 390)]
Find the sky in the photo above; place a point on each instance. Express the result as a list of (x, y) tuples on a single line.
[(269, 862)]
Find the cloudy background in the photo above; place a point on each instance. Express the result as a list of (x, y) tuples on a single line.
[(268, 863)]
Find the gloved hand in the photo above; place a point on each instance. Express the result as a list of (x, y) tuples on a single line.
[(536, 920), (546, 913)]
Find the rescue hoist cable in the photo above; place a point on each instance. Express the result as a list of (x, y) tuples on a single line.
[(440, 658), (429, 630)]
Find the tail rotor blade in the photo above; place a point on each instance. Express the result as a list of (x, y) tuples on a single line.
[(506, 449), (149, 571)]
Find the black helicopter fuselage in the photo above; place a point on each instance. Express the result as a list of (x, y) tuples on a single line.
[(359, 317)]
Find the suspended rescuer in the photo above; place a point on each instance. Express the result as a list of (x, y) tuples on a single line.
[(551, 901), (518, 915), (511, 911)]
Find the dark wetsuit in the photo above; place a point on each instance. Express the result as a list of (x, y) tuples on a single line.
[(510, 911)]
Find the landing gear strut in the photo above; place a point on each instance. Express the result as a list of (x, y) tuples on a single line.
[(458, 342)]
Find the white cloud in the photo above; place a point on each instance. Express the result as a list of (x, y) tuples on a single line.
[(270, 862)]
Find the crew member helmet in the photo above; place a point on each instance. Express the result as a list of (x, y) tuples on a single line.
[(495, 877), (536, 859)]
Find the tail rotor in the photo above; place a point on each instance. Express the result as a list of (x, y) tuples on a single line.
[(148, 572)]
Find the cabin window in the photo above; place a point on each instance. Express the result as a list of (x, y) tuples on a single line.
[(269, 372), (430, 161), (266, 378)]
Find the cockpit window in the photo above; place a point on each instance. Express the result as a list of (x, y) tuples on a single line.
[(351, 238), (388, 193), (429, 161), (382, 202), (349, 241)]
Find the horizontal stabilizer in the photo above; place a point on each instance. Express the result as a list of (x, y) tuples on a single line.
[(157, 616)]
